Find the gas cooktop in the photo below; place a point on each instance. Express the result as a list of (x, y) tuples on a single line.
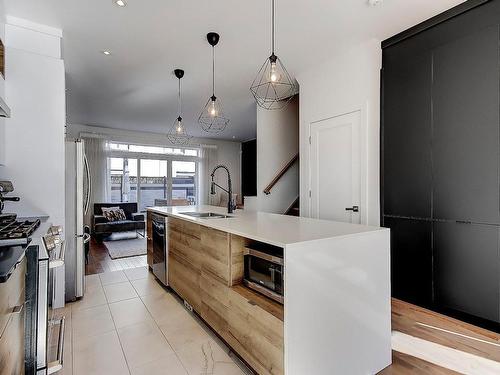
[(17, 232)]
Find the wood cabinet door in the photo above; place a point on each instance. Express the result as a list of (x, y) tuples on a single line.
[(12, 343), (214, 281), (255, 334), (184, 261), (184, 242), (214, 302), (215, 249), (184, 278)]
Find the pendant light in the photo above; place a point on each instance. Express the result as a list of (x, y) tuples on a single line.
[(212, 118), (177, 134), (273, 87)]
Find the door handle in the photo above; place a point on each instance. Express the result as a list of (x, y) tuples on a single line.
[(353, 209), (86, 237)]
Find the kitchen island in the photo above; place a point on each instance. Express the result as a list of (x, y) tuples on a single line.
[(335, 317)]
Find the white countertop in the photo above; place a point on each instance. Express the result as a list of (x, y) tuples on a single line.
[(279, 230)]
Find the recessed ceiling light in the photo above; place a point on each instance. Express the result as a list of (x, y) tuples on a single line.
[(374, 3), (120, 3), (107, 53)]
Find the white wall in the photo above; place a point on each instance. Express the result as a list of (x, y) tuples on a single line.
[(228, 153), (35, 92), (348, 82), (277, 144), (2, 92)]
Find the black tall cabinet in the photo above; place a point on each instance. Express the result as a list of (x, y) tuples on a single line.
[(440, 170)]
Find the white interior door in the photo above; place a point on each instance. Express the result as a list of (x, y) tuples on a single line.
[(335, 168)]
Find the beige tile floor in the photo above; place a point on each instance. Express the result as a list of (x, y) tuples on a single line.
[(128, 324)]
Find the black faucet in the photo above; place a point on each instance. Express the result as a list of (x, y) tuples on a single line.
[(229, 190)]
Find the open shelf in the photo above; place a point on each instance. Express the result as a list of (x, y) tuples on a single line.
[(267, 304)]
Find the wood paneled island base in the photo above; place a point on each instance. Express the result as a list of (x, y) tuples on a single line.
[(206, 269)]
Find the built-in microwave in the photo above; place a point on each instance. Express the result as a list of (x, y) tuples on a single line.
[(264, 271)]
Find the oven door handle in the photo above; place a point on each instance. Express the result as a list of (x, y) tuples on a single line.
[(261, 255)]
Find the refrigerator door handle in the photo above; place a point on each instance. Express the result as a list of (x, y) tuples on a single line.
[(89, 184), (85, 236)]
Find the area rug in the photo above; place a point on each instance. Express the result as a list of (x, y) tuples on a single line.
[(126, 248)]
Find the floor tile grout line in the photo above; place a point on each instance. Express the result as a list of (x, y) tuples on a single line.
[(119, 339), (165, 337), (164, 293), (152, 319), (206, 329)]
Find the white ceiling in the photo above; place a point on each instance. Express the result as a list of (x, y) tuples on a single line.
[(135, 88)]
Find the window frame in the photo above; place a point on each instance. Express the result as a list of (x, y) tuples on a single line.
[(114, 153)]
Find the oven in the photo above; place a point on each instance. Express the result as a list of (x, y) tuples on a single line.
[(44, 339), (264, 271)]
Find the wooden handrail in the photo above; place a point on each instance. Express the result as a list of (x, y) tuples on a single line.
[(280, 174)]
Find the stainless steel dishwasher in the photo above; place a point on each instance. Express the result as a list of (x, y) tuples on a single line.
[(160, 248)]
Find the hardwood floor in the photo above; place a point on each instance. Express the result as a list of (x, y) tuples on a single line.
[(403, 364), (436, 328), (100, 261), (443, 330)]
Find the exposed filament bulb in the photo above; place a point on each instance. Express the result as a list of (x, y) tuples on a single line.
[(212, 109), (178, 129), (274, 75)]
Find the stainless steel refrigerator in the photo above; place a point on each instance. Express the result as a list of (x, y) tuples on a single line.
[(78, 190)]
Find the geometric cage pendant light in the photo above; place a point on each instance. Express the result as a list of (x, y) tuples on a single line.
[(212, 119), (177, 133), (273, 87)]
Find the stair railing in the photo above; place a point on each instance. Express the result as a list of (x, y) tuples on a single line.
[(280, 174)]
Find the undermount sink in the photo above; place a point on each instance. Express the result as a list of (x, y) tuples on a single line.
[(206, 215)]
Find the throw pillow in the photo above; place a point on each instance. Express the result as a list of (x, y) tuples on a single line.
[(114, 214)]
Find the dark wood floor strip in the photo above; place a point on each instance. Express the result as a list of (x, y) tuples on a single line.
[(100, 261)]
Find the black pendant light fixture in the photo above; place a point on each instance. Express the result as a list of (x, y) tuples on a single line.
[(273, 87), (212, 118), (177, 134)]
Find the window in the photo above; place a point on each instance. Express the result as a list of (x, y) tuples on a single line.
[(154, 182), (123, 174), (152, 149), (183, 182), (145, 174)]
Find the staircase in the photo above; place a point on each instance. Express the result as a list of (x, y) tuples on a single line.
[(294, 209)]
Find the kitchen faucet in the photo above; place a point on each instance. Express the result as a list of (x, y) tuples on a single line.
[(229, 190)]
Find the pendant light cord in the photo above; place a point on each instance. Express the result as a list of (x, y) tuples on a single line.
[(273, 36), (213, 70), (179, 99)]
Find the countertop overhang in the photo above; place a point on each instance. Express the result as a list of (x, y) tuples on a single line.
[(275, 229)]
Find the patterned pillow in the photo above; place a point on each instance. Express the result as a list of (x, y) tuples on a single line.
[(113, 213)]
